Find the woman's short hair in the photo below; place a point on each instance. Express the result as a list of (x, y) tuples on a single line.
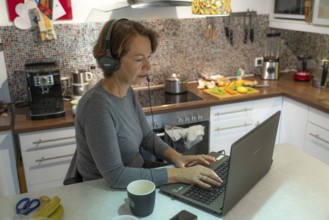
[(123, 33)]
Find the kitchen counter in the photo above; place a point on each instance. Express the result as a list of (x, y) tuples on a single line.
[(304, 92), (23, 123), (285, 86), (296, 187)]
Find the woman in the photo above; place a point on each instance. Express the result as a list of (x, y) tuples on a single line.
[(110, 123)]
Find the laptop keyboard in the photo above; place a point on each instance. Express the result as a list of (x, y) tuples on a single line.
[(207, 196)]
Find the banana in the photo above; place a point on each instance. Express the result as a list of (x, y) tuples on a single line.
[(43, 201), (57, 214), (44, 198), (49, 208)]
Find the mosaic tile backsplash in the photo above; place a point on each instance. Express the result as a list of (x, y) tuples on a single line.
[(183, 48), (315, 46)]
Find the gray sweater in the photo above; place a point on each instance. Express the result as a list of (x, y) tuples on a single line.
[(109, 133)]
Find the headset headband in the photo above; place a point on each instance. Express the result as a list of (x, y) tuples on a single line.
[(108, 36)]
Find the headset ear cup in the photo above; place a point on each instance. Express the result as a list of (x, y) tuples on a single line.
[(109, 64)]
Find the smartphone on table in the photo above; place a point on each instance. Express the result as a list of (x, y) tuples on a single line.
[(184, 215)]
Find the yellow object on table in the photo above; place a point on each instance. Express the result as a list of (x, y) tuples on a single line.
[(50, 208)]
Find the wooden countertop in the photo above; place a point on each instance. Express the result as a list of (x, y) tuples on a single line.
[(23, 123), (285, 86)]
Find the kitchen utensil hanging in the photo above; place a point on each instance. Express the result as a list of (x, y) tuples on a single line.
[(226, 27), (231, 30), (211, 31), (251, 26), (248, 26)]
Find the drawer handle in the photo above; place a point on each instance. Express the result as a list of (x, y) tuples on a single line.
[(50, 146), (40, 141), (42, 159), (318, 137), (231, 127), (236, 111)]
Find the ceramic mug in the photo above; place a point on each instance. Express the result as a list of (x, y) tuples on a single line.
[(141, 197), (82, 77)]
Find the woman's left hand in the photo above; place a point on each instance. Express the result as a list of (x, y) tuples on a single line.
[(191, 160)]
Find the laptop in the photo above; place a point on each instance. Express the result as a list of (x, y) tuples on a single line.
[(250, 159)]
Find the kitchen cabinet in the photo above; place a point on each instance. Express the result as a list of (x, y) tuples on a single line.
[(264, 108), (321, 12), (231, 121), (46, 156), (300, 25), (8, 170), (293, 122), (317, 135), (228, 123), (306, 128)]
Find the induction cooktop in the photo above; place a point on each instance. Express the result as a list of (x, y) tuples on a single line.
[(160, 97)]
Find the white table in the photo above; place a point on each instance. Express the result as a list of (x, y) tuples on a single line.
[(296, 187)]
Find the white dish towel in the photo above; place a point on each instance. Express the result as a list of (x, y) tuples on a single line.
[(191, 135)]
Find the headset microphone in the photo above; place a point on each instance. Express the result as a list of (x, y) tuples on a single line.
[(152, 116)]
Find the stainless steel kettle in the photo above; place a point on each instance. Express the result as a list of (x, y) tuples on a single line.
[(321, 80)]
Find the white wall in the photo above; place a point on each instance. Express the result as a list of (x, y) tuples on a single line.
[(83, 10)]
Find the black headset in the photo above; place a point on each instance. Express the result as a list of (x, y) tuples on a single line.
[(108, 63)]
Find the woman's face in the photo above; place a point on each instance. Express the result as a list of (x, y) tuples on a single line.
[(135, 64)]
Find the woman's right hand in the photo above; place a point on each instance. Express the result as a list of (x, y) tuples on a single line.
[(199, 175)]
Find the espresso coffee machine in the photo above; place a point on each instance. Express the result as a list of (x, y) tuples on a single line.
[(271, 56), (44, 90)]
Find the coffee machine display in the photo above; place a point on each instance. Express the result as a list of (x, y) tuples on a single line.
[(81, 79), (44, 90), (271, 56), (303, 73)]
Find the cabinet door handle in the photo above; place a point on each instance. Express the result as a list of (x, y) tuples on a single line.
[(50, 146), (235, 111), (35, 148), (40, 141), (318, 137), (42, 159), (231, 127)]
